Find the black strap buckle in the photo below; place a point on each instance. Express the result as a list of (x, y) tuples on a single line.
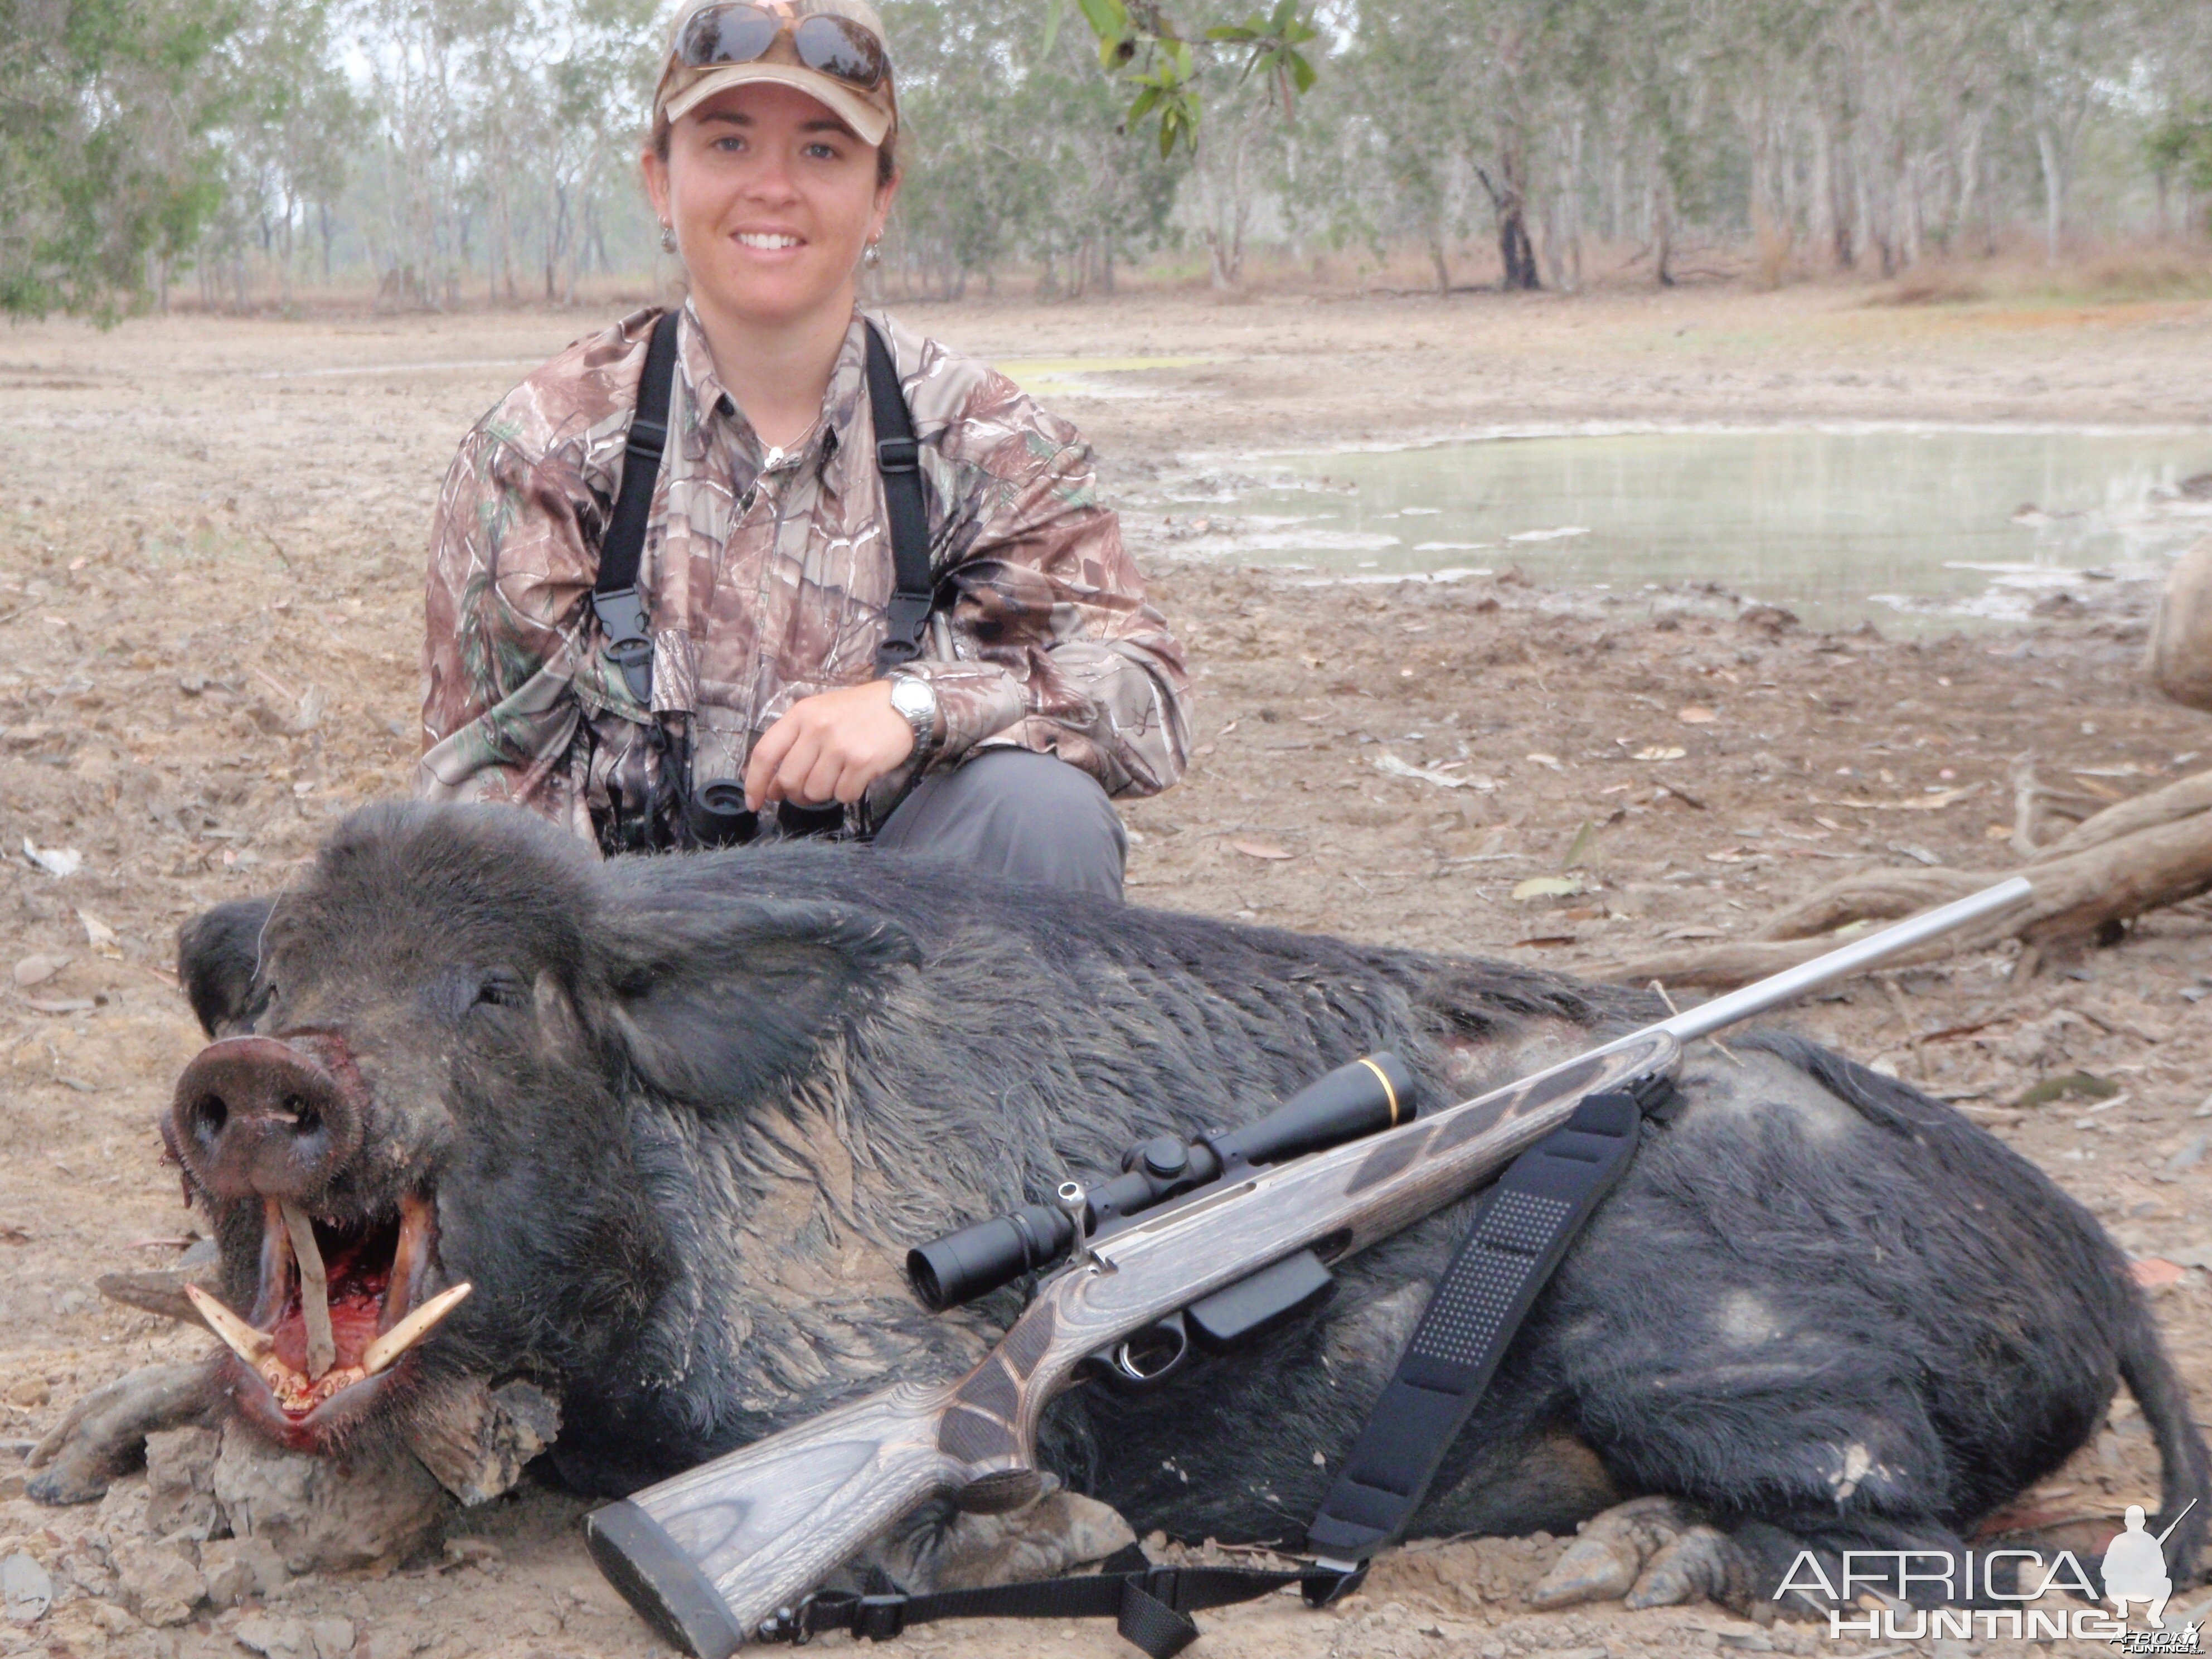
[(1163, 1585), (898, 455), (629, 641), (647, 437), (878, 1618)]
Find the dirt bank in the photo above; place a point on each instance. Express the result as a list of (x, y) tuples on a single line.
[(209, 609)]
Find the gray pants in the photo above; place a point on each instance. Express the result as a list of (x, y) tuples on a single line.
[(1014, 813)]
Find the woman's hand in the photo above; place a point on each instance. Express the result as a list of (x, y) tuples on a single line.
[(831, 746)]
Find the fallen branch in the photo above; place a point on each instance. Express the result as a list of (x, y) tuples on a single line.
[(2136, 855)]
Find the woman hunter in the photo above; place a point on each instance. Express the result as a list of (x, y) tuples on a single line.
[(1045, 682)]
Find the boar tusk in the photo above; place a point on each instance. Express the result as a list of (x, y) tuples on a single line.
[(407, 1256), (240, 1338), (412, 1329), (315, 1291)]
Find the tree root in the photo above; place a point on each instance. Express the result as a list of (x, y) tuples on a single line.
[(2133, 856)]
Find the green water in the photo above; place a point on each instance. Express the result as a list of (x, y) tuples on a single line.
[(1936, 525)]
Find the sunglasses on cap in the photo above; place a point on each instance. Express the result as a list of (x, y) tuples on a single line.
[(742, 34)]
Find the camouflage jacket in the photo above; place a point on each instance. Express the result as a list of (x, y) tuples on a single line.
[(765, 574)]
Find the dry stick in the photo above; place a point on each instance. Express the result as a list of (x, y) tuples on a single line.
[(1662, 989), (2106, 880), (315, 1291)]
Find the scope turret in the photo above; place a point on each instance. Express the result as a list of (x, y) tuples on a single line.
[(1359, 1099)]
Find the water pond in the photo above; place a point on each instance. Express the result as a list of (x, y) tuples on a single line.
[(1937, 526)]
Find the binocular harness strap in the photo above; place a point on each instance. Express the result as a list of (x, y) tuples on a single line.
[(615, 598), (898, 461), (613, 594), (1521, 1232)]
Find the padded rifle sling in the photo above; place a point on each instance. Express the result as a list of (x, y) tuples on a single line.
[(615, 598), (1521, 1232)]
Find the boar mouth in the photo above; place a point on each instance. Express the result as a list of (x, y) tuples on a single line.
[(338, 1311)]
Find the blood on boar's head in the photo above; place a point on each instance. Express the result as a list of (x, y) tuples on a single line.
[(427, 1055)]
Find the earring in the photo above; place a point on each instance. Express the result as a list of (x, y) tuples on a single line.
[(872, 256), (668, 238)]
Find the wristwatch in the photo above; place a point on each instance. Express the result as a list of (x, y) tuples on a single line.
[(916, 699)]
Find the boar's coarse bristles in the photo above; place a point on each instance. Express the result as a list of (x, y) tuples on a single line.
[(412, 1329), (315, 1291), (240, 1338)]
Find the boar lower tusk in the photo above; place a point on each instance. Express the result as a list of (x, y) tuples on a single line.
[(315, 1291), (240, 1338), (411, 1330)]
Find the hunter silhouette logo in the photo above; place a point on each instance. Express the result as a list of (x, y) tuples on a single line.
[(2135, 1568)]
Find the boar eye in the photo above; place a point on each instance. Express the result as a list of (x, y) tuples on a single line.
[(503, 990)]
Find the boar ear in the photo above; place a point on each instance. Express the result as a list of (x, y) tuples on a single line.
[(218, 953), (722, 999)]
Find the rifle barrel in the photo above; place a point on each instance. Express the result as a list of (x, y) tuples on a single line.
[(1840, 964)]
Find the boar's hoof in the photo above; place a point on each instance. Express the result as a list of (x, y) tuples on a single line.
[(476, 1439), (1607, 1561), (1702, 1564), (104, 1434), (1060, 1532)]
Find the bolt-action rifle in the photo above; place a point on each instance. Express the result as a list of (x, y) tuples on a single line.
[(1210, 1244)]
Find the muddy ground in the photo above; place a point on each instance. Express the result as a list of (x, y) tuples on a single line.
[(210, 539)]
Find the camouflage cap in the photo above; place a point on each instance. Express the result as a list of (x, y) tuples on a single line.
[(871, 112)]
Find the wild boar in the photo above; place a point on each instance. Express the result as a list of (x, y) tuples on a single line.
[(676, 1121)]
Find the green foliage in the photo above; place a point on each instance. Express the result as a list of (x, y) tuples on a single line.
[(1139, 41), (1010, 150), (109, 154)]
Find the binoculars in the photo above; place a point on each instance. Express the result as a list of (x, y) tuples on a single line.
[(718, 817)]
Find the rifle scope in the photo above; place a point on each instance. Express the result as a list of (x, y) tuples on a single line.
[(1374, 1093)]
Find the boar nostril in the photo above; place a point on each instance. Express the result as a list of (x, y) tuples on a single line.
[(209, 1114), (306, 1119)]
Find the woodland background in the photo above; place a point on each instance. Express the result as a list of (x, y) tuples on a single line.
[(251, 155)]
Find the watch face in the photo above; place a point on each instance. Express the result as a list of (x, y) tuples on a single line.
[(912, 698)]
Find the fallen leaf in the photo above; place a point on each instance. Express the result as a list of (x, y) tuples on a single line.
[(2154, 1272), (1695, 715), (54, 860), (1580, 849), (1660, 752), (61, 1005), (1543, 941), (1262, 849), (1552, 761), (2081, 1085), (1551, 887), (38, 970), (1387, 762), (11, 1234), (96, 932)]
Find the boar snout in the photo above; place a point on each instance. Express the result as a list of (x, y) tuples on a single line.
[(256, 1117)]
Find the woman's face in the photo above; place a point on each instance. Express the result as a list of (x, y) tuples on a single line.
[(773, 199)]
